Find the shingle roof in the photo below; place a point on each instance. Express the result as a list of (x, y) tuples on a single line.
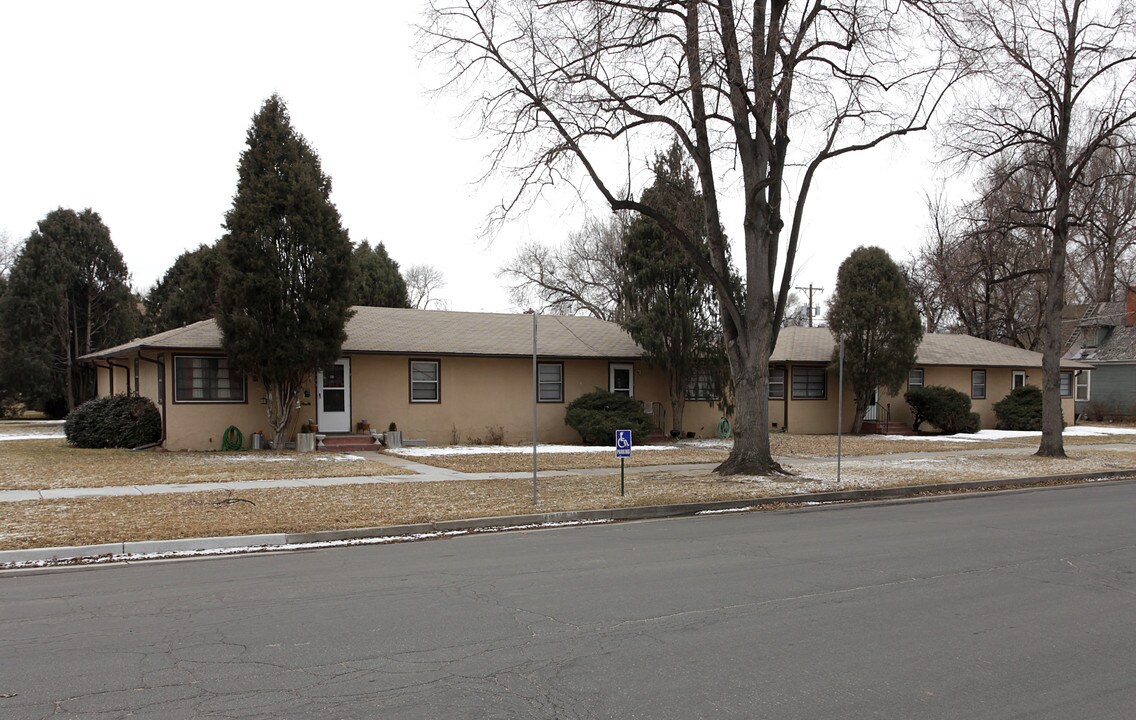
[(437, 332), (815, 345), (1118, 347), (434, 332)]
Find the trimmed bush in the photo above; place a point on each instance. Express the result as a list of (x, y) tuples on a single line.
[(944, 407), (114, 421), (1020, 410), (597, 415)]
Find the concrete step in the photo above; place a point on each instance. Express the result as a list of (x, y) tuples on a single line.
[(349, 443)]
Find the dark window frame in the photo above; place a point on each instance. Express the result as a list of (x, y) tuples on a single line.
[(1065, 383), (780, 383), (974, 375), (542, 383), (178, 386), (437, 363), (809, 373)]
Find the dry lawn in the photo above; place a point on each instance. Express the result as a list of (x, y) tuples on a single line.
[(44, 464), (40, 464), (98, 520)]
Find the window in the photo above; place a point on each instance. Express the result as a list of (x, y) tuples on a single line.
[(915, 378), (1081, 386), (206, 379), (621, 379), (1066, 384), (550, 382), (702, 385), (425, 384), (809, 383), (776, 383), (978, 384), (1017, 379)]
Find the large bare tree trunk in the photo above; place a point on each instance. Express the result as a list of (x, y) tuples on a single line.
[(1052, 440)]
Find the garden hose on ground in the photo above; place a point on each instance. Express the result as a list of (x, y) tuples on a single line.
[(232, 439), (724, 428)]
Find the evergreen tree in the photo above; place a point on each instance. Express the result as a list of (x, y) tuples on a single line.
[(668, 306), (875, 313), (286, 284), (187, 292), (378, 282), (68, 294)]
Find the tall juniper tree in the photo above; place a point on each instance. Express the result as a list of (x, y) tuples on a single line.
[(668, 306), (876, 314), (68, 294), (378, 282), (187, 292), (286, 284)]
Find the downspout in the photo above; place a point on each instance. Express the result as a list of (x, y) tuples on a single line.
[(785, 402), (126, 369), (161, 394), (110, 376)]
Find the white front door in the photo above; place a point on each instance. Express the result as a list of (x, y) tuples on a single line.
[(333, 397), (872, 414), (621, 379)]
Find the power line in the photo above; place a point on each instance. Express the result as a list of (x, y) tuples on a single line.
[(812, 309)]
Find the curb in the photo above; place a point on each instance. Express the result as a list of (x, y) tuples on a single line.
[(122, 551)]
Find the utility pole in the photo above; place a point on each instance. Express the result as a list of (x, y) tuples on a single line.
[(810, 290)]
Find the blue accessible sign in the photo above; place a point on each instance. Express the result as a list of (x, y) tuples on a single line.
[(623, 443)]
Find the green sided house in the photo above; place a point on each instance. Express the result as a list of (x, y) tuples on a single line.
[(1106, 337), (443, 377), (452, 377), (803, 389)]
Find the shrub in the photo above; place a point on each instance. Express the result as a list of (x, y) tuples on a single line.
[(597, 415), (944, 407), (1020, 410), (114, 421)]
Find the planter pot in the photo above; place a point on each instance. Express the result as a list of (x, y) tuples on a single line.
[(305, 442)]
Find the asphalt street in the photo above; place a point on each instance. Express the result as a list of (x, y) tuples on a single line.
[(1011, 605)]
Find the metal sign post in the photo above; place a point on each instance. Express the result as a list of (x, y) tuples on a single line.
[(622, 451)]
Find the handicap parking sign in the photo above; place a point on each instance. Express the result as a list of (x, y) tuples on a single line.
[(623, 443)]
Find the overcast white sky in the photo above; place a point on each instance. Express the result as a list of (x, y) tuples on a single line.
[(139, 110)]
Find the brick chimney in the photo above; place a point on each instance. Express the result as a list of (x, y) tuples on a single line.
[(1130, 308)]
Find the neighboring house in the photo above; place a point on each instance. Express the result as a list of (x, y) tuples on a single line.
[(1106, 338), (445, 377), (803, 388), (452, 377)]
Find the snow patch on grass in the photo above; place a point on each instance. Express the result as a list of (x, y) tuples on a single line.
[(996, 435), (37, 436), (516, 449)]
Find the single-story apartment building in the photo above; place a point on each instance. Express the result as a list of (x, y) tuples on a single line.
[(453, 377), (444, 377)]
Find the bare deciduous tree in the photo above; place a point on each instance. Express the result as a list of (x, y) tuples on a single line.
[(9, 251), (580, 276), (422, 281), (1102, 253), (1058, 90), (565, 85)]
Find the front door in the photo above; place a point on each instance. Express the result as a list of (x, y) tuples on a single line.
[(333, 397), (872, 414), (621, 379)]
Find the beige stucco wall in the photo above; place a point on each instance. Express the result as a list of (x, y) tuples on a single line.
[(478, 397), (812, 417), (478, 394)]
